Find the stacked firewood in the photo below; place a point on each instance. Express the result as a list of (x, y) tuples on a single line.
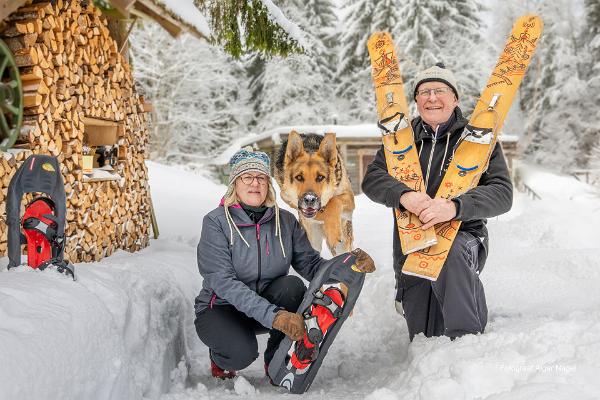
[(72, 72)]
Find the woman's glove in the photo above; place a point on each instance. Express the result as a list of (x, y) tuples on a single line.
[(291, 324), (364, 262)]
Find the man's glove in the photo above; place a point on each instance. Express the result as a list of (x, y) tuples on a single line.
[(364, 262), (291, 324)]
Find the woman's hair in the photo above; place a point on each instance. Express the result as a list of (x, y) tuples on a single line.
[(232, 198)]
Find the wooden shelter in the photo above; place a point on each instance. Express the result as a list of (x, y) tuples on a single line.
[(79, 103), (357, 143)]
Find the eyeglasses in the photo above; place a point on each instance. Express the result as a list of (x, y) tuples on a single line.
[(248, 179), (437, 91)]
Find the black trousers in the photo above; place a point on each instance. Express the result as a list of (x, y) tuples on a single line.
[(455, 304), (230, 334)]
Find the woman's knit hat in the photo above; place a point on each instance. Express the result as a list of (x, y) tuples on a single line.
[(248, 160)]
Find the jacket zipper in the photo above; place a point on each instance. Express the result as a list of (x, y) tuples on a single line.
[(430, 159), (259, 260)]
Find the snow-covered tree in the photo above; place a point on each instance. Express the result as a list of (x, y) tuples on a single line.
[(354, 85), (448, 32), (299, 89), (243, 27), (556, 127), (199, 103)]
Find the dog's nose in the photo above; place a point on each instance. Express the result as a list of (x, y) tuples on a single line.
[(311, 200)]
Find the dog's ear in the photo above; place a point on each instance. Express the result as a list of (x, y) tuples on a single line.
[(295, 146), (328, 149)]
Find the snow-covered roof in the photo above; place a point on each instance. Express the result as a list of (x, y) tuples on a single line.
[(186, 12), (341, 131), (360, 131), (175, 16)]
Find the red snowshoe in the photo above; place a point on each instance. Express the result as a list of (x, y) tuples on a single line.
[(42, 226), (325, 310)]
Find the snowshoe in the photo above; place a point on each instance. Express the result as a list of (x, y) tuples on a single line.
[(42, 226), (325, 307)]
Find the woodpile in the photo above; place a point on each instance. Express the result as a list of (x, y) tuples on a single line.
[(72, 72)]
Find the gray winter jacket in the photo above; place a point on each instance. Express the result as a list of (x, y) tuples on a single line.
[(237, 274), (492, 196)]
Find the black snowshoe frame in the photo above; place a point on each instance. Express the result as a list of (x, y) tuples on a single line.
[(38, 174), (339, 270)]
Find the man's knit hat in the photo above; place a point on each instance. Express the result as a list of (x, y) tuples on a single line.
[(437, 73), (248, 160)]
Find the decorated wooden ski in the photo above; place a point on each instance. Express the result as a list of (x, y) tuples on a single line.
[(478, 139), (398, 140)]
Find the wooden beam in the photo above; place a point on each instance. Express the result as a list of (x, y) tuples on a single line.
[(8, 7), (123, 6), (150, 10)]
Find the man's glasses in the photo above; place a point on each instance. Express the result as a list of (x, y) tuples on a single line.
[(438, 91), (248, 179)]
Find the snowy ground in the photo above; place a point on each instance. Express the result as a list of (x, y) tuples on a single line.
[(120, 331)]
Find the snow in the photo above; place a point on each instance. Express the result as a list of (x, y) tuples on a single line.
[(186, 11), (288, 26), (124, 329)]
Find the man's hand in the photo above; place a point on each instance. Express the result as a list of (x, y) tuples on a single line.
[(415, 202), (437, 210), (364, 262)]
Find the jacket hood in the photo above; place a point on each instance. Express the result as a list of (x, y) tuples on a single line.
[(241, 218)]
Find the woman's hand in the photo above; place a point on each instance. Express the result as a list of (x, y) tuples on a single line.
[(364, 262), (291, 324)]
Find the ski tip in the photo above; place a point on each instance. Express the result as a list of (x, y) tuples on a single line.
[(532, 20)]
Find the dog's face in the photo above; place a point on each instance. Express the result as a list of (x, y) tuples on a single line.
[(308, 178)]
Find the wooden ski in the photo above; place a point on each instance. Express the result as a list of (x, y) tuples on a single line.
[(478, 139), (398, 139)]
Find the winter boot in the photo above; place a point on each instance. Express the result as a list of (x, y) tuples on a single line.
[(217, 372)]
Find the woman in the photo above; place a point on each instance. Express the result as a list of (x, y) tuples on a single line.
[(246, 248)]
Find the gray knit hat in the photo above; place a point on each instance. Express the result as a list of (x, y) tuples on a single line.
[(437, 73), (248, 160)]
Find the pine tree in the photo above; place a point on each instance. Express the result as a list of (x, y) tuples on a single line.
[(448, 32), (354, 85), (299, 89), (591, 37), (198, 106), (243, 27), (556, 119)]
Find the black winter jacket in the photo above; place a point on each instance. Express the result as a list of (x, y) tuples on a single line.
[(492, 196)]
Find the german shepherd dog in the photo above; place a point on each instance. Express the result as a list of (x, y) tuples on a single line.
[(314, 181)]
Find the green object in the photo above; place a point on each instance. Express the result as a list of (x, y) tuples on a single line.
[(243, 27), (11, 98)]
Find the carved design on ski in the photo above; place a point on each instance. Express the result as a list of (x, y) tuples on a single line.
[(385, 68), (471, 157), (517, 53)]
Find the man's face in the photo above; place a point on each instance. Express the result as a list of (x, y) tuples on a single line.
[(435, 109)]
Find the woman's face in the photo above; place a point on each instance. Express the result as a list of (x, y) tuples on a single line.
[(252, 188)]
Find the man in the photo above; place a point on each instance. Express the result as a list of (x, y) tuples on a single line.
[(455, 304)]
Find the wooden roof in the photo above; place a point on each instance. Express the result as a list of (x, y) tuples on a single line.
[(152, 9), (159, 12)]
